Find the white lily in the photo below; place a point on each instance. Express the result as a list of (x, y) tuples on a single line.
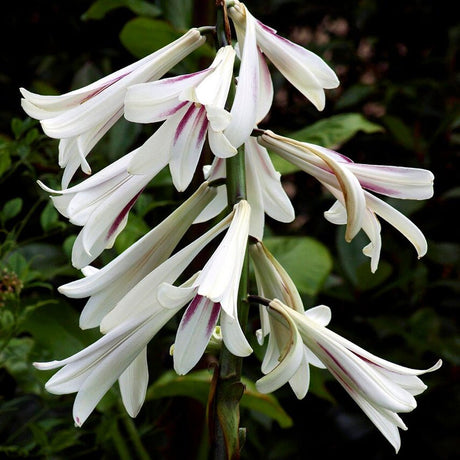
[(254, 89), (120, 354), (127, 328), (194, 105), (101, 203), (349, 182), (265, 193), (379, 387), (213, 295), (81, 117), (304, 69), (107, 286), (274, 282)]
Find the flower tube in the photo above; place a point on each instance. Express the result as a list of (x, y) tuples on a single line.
[(80, 118), (380, 388)]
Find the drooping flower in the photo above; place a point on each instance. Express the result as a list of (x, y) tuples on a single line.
[(380, 388), (80, 118), (127, 328), (107, 286), (349, 183), (304, 69), (212, 296), (101, 203), (194, 106), (273, 282)]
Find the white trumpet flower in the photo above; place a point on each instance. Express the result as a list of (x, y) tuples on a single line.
[(349, 182), (213, 295), (380, 388), (107, 286), (304, 69), (101, 203), (273, 282), (127, 328), (81, 117), (193, 106)]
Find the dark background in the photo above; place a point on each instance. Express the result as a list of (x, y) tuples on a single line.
[(397, 63)]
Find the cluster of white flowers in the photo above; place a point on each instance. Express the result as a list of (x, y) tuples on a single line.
[(133, 297)]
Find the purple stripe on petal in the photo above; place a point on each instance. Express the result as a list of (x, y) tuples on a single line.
[(102, 88), (204, 126), (116, 223), (378, 189), (213, 317), (191, 309), (172, 111), (185, 119)]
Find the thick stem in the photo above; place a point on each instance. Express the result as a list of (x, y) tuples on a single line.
[(227, 388), (227, 391)]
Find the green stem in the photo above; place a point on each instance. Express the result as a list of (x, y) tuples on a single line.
[(134, 437), (224, 411), (120, 444)]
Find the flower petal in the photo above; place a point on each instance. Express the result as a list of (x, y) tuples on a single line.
[(134, 382), (195, 329)]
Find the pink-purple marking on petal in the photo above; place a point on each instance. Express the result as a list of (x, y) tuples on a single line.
[(103, 87), (121, 215)]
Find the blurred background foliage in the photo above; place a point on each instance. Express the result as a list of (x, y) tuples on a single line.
[(397, 104)]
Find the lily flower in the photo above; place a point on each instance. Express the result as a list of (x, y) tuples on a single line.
[(81, 117), (273, 282), (265, 193), (107, 286), (213, 295), (193, 105), (304, 69), (349, 183), (127, 328), (380, 388)]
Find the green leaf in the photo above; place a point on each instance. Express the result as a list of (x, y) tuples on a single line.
[(178, 12), (196, 385), (400, 131), (356, 265), (142, 36), (5, 162), (55, 329), (266, 404), (101, 7), (307, 261), (49, 218), (11, 209), (330, 132), (334, 131)]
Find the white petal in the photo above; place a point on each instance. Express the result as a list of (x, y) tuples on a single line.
[(275, 200), (158, 100), (219, 279), (134, 382), (320, 314), (245, 104), (300, 381), (289, 361), (220, 145), (304, 69), (233, 336), (394, 181), (195, 329), (144, 294), (400, 222), (186, 146)]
